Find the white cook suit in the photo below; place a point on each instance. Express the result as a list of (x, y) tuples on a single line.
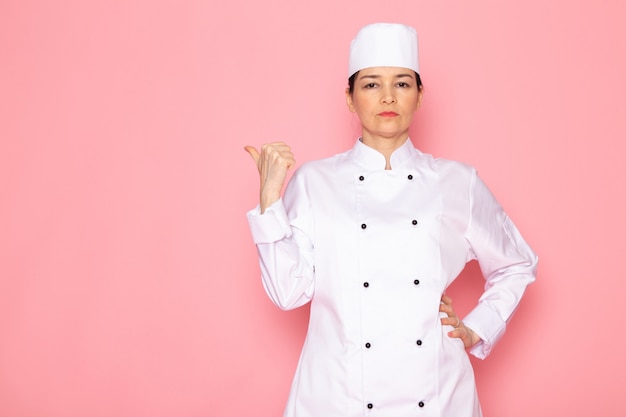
[(373, 250)]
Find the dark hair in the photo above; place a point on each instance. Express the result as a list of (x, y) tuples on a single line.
[(352, 78)]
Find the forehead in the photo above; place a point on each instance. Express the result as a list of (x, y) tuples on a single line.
[(386, 72)]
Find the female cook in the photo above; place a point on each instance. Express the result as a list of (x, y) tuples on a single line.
[(372, 237)]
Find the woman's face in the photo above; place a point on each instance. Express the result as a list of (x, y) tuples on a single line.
[(385, 99)]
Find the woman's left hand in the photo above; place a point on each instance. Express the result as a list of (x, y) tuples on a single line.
[(460, 331)]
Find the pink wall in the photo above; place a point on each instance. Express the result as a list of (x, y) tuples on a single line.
[(129, 284)]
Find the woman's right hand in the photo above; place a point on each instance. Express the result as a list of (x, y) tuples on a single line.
[(461, 331), (273, 162)]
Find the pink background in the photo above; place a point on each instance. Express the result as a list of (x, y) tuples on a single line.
[(129, 284)]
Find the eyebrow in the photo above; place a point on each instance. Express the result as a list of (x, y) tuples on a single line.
[(374, 76)]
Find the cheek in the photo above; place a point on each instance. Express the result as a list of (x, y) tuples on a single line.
[(411, 105), (364, 108), (363, 102), (364, 113)]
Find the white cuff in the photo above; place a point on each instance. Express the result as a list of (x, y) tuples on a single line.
[(488, 325), (271, 226)]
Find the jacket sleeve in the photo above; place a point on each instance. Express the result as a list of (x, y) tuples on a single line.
[(507, 263), (281, 235)]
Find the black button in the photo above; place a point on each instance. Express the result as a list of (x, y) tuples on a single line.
[(421, 403), (410, 177), (361, 178), (363, 226), (366, 284), (419, 343), (414, 222), (416, 282), (370, 406), (367, 345)]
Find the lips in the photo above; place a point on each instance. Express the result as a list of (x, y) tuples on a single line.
[(388, 114)]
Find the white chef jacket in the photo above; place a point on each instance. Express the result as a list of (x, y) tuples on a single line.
[(373, 250)]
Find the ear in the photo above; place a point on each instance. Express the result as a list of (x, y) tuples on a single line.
[(420, 96), (349, 100)]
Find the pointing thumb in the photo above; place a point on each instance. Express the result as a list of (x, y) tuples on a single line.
[(253, 153)]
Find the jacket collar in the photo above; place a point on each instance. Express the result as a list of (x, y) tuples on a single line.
[(370, 158)]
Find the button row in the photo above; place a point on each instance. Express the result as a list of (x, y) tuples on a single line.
[(421, 404), (413, 222), (409, 177), (418, 342), (415, 282)]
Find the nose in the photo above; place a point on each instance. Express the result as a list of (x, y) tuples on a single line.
[(388, 96)]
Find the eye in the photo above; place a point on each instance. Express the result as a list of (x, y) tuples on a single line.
[(370, 85), (402, 84)]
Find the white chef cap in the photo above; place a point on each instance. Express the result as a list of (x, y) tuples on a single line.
[(384, 45)]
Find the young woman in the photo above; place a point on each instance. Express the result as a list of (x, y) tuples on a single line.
[(372, 237)]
